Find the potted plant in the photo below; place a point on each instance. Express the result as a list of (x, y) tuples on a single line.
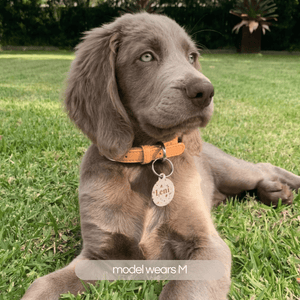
[(255, 15)]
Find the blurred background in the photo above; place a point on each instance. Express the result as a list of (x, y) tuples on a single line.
[(60, 23)]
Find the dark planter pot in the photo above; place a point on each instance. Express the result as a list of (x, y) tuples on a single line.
[(250, 42)]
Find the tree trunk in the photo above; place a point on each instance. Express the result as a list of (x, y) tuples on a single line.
[(250, 42)]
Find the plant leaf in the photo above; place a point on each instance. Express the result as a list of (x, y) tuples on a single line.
[(264, 27), (253, 26), (238, 26)]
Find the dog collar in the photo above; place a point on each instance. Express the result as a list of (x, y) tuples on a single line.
[(146, 153)]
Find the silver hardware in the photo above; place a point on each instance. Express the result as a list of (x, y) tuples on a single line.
[(164, 151), (162, 174), (163, 191)]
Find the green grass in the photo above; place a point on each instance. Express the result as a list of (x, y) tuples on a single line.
[(257, 110)]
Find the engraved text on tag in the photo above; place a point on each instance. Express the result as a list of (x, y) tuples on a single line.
[(163, 191)]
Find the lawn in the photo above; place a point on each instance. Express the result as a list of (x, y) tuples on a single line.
[(257, 110)]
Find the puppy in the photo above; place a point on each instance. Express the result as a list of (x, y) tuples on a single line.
[(136, 90)]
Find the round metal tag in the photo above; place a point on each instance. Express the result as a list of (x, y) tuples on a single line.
[(163, 191)]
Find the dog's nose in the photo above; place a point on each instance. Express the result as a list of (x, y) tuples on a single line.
[(200, 91)]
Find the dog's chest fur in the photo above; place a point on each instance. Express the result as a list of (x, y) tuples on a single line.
[(169, 232)]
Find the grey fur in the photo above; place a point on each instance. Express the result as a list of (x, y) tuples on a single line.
[(120, 101)]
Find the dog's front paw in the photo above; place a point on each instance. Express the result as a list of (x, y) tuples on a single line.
[(269, 192)]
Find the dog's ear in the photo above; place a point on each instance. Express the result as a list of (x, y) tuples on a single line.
[(91, 96), (192, 142)]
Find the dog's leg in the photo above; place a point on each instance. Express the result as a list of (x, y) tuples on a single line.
[(203, 289), (233, 176), (189, 234), (50, 287)]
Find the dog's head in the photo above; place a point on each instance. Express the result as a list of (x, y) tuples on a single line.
[(137, 80)]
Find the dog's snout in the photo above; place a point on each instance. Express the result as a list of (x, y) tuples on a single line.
[(200, 91)]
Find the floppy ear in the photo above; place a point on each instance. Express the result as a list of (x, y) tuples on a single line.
[(91, 96), (192, 142)]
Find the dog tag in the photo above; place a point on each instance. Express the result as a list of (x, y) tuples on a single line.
[(163, 191)]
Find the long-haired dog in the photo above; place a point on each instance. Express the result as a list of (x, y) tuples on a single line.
[(136, 90)]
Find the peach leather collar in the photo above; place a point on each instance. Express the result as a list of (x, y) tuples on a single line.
[(146, 153)]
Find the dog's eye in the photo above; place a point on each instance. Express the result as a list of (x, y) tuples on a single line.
[(191, 59), (146, 57)]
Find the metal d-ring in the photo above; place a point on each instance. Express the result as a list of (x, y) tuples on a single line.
[(164, 151), (162, 175)]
